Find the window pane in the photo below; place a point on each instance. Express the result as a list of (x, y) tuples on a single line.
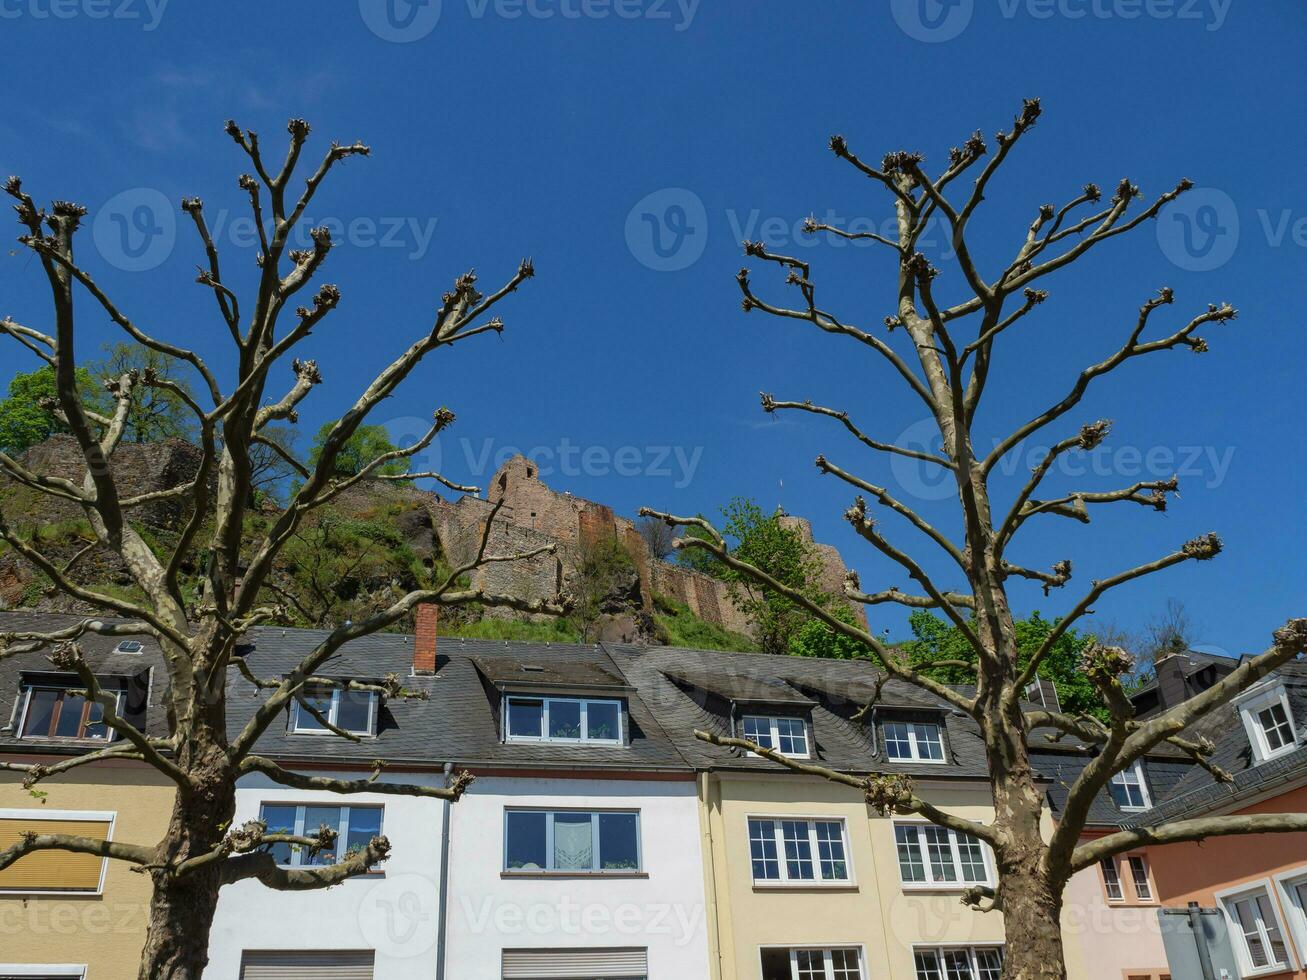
[(776, 964), (525, 846), (990, 962), (940, 854), (1243, 910), (1275, 724), (69, 724), (928, 966), (603, 720), (957, 964), (798, 849), (811, 963), (793, 736), (1112, 880), (95, 726), (40, 711), (973, 859), (354, 711), (564, 719), (1272, 929), (314, 818), (844, 964), (320, 702), (364, 824), (619, 845), (1139, 875), (280, 820), (830, 851), (758, 731), (897, 744), (762, 849), (910, 866), (929, 743), (573, 841), (525, 717)]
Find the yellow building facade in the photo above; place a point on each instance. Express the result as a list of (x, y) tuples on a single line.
[(758, 924), (84, 918)]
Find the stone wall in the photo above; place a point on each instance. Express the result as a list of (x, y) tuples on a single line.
[(533, 515)]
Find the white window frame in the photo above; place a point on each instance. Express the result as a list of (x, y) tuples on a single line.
[(301, 831), (1253, 703), (1226, 899), (824, 948), (785, 881), (1151, 897), (27, 689), (90, 816), (923, 851), (1286, 883), (914, 743), (774, 733), (1103, 865), (1135, 769), (64, 971), (970, 949), (546, 700), (333, 713), (597, 860)]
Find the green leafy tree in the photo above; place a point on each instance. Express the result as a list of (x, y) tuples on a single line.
[(156, 412), (24, 422), (935, 641), (815, 639), (696, 558), (366, 444), (766, 542), (605, 581)]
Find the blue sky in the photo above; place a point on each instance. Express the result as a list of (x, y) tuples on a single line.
[(628, 146)]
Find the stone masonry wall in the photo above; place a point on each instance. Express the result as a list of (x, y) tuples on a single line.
[(533, 514)]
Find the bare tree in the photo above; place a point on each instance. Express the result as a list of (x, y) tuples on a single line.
[(657, 536), (201, 852), (946, 368)]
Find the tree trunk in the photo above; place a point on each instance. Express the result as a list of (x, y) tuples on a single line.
[(1032, 913), (182, 909)]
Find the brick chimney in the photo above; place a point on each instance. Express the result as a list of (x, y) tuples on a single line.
[(424, 638)]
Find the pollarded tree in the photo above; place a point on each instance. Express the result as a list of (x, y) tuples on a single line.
[(950, 350), (201, 852)]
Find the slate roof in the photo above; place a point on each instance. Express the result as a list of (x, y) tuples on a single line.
[(669, 692)]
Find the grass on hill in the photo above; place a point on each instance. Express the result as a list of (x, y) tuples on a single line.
[(685, 629)]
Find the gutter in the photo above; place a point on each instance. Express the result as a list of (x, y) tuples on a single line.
[(442, 910), (712, 917)]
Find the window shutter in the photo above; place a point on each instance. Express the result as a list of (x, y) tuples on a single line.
[(52, 870), (536, 964), (307, 965)]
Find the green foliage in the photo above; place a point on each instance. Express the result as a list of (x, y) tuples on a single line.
[(549, 631), (603, 581), (765, 542), (935, 640), (683, 628), (366, 444), (23, 422), (815, 639), (155, 413)]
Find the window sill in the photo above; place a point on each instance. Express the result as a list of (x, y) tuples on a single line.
[(585, 875), (943, 887), (296, 731), (26, 893), (805, 886)]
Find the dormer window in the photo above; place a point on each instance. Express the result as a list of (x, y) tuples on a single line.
[(558, 719), (788, 736), (916, 741), (351, 711), (59, 713), (1128, 788), (1269, 722)]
